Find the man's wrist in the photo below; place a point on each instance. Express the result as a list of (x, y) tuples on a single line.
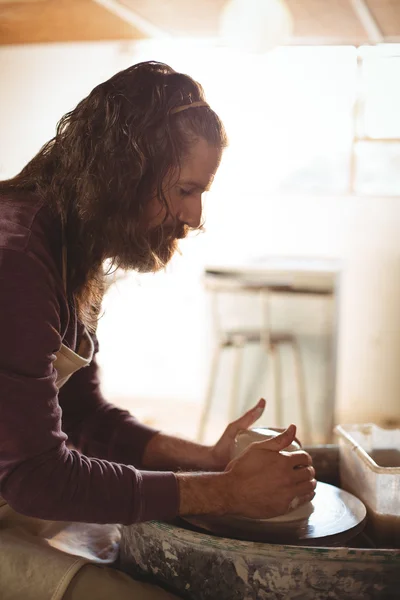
[(204, 493)]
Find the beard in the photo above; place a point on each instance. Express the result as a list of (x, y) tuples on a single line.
[(155, 249)]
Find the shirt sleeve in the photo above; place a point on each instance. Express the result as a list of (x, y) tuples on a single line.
[(96, 427), (39, 475)]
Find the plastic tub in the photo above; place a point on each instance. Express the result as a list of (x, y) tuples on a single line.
[(369, 463)]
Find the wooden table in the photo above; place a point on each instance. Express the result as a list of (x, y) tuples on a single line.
[(293, 275)]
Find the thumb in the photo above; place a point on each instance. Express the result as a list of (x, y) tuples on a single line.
[(281, 441), (251, 416), (246, 420)]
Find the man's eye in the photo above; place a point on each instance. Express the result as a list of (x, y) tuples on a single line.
[(184, 192)]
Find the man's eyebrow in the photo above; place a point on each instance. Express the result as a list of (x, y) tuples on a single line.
[(196, 184)]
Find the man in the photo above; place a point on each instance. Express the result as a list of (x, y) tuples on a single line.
[(122, 180)]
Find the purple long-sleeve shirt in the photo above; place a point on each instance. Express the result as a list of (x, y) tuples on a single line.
[(100, 482)]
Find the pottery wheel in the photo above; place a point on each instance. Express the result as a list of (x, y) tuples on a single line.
[(335, 516)]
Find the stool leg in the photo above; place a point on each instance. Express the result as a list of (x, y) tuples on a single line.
[(237, 369), (210, 391), (252, 389), (277, 375), (301, 391)]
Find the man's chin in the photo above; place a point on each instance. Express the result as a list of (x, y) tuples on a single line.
[(152, 263), (149, 267)]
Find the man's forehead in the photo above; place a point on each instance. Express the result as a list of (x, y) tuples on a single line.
[(201, 165)]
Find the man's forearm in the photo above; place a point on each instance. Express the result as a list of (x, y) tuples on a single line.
[(204, 493), (199, 493), (164, 452)]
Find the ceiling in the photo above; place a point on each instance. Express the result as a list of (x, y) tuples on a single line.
[(37, 21), (315, 21)]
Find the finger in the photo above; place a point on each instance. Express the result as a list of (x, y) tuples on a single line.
[(246, 420), (305, 498), (306, 487), (304, 474), (281, 441), (229, 465), (281, 429), (300, 459)]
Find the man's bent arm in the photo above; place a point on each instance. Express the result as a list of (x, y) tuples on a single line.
[(165, 452)]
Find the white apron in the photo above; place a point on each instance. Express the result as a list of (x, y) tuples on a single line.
[(39, 558)]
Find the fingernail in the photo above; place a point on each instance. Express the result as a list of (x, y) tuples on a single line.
[(258, 411)]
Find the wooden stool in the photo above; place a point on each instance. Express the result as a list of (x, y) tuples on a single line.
[(238, 339)]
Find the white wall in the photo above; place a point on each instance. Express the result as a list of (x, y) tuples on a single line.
[(162, 320), (38, 85), (365, 233)]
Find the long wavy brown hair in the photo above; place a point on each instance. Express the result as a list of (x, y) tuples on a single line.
[(109, 156)]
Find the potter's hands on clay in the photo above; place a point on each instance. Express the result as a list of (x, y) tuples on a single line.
[(264, 480), (222, 452), (261, 483)]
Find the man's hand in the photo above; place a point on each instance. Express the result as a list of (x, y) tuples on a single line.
[(221, 453), (264, 480), (261, 483), (168, 452)]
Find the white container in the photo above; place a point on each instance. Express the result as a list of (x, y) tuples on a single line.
[(370, 469)]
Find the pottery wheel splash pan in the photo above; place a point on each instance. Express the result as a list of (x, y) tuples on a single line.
[(334, 517)]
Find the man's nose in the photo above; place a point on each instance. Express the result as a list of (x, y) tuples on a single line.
[(191, 214)]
